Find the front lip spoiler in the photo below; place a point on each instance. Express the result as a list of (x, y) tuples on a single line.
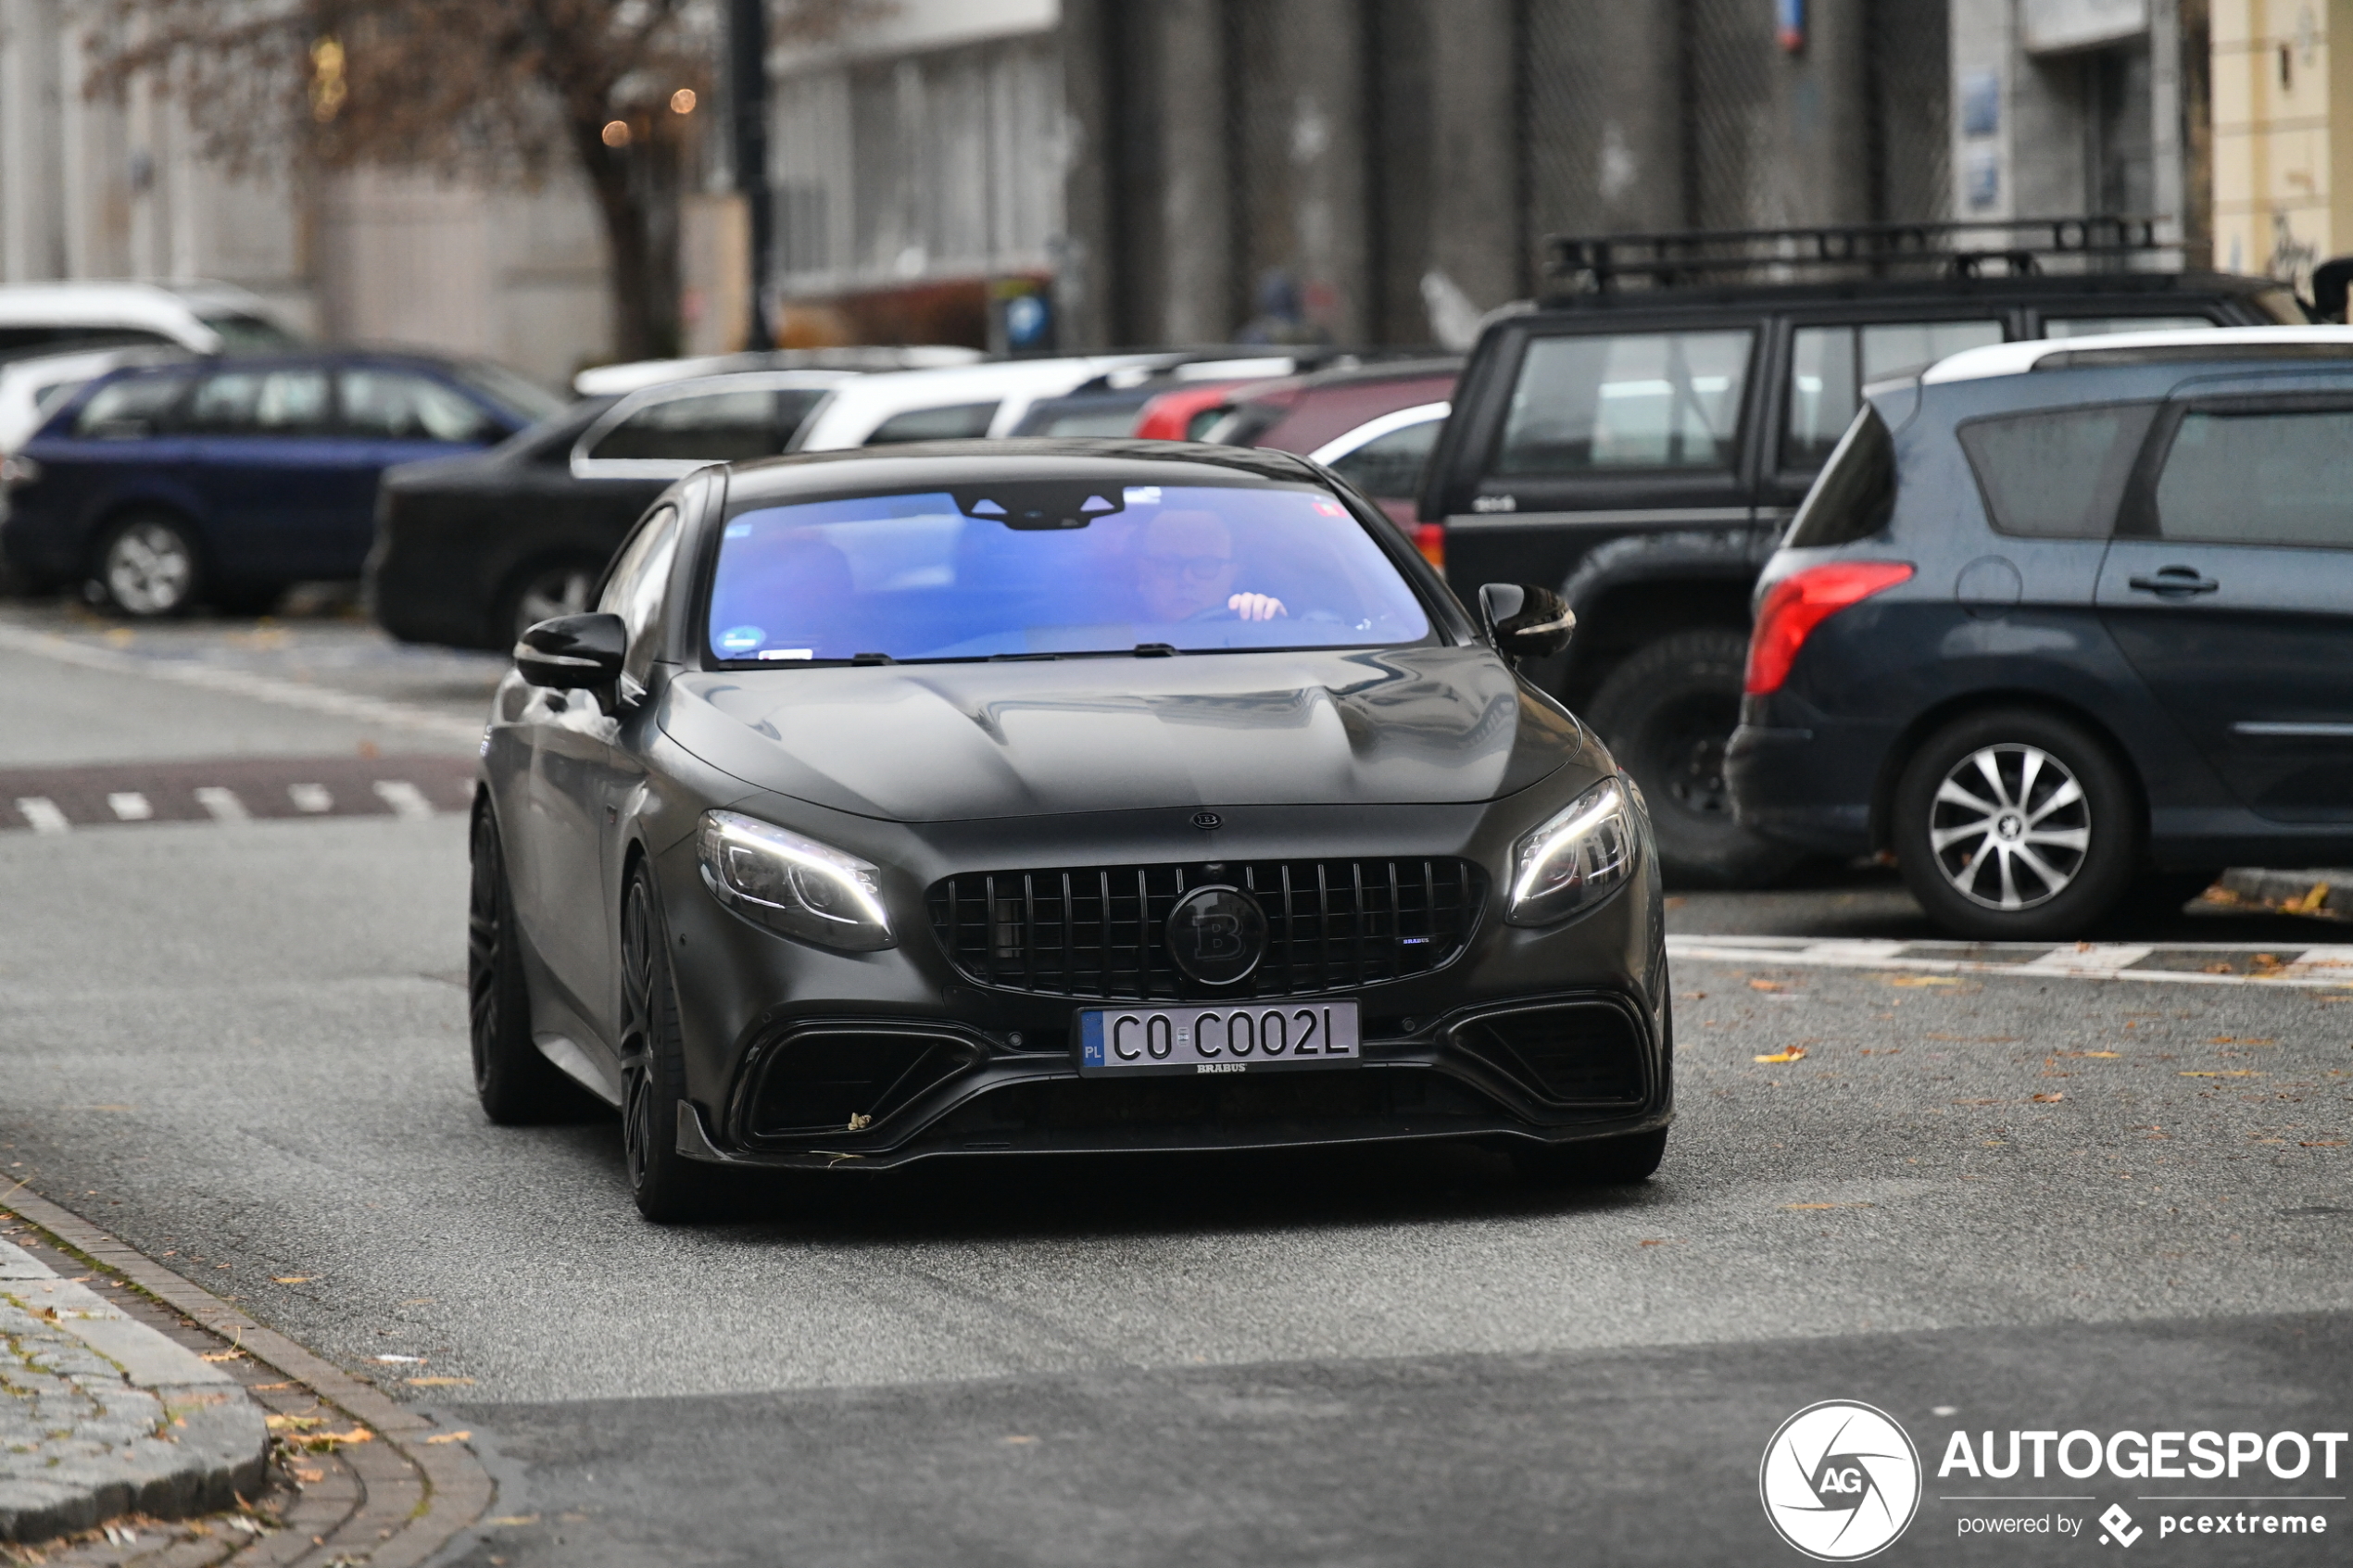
[(695, 1142)]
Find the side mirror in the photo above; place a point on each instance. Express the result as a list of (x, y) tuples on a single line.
[(573, 652), (1526, 622)]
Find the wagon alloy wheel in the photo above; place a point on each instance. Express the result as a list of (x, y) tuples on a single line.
[(551, 591), (2017, 824), (668, 1186), (2011, 827), (148, 568)]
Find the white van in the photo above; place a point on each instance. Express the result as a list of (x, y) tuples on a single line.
[(41, 318)]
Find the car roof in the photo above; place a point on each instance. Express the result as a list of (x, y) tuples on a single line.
[(166, 306), (635, 374), (2023, 288), (855, 409), (2253, 346), (917, 464)]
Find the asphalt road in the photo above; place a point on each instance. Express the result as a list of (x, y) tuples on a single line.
[(1976, 1201)]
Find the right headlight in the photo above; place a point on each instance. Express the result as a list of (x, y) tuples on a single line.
[(775, 878), (1584, 853)]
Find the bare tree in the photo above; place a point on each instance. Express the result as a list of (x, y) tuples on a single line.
[(498, 90)]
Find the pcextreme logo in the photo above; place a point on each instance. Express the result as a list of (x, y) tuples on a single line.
[(1840, 1481)]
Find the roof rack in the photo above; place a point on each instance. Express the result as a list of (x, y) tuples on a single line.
[(1962, 250)]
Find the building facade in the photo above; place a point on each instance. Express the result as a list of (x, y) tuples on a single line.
[(2282, 129)]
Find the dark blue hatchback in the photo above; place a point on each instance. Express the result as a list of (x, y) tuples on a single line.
[(2065, 625), (228, 479)]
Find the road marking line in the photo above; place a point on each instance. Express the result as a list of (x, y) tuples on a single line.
[(2335, 969), (41, 814), (130, 806), (223, 804), (2087, 958), (310, 797), (406, 799), (240, 682)]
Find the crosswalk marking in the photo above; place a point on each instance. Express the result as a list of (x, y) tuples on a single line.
[(310, 797), (406, 799), (2087, 958), (130, 806), (43, 813), (223, 803), (2312, 967)]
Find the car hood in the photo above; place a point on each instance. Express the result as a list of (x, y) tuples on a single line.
[(949, 742)]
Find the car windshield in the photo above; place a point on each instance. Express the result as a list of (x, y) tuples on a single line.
[(1052, 568), (248, 335)]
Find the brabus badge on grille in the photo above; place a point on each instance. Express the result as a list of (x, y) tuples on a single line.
[(1217, 935), (1208, 820)]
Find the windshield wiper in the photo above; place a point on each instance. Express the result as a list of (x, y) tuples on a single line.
[(872, 659), (1019, 658), (1155, 650)]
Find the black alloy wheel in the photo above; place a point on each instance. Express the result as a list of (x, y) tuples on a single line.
[(1667, 713), (517, 1086), (2017, 824), (1618, 1161), (668, 1186)]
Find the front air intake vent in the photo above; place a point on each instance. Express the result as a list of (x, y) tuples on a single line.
[(1572, 1053), (1102, 931)]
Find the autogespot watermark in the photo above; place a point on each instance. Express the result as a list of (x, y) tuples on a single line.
[(1841, 1481)]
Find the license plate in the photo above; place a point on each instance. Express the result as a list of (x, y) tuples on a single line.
[(1260, 1038)]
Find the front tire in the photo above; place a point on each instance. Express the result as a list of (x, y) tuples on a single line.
[(669, 1187), (2016, 824), (516, 1084), (1667, 713), (148, 567)]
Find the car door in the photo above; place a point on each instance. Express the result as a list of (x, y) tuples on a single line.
[(2229, 587), (572, 762), (387, 414), (257, 437)]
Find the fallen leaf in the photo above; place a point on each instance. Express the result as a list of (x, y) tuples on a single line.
[(400, 1360), (2233, 1072), (2217, 969), (1924, 980), (308, 1476), (289, 1279), (1017, 1437), (437, 1382), (322, 1441), (514, 1519), (1795, 1053), (2238, 1040), (1767, 986), (2323, 1143), (2109, 1055), (449, 1437), (291, 1422), (2052, 1098), (2310, 904)]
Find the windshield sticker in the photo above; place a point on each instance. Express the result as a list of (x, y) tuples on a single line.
[(741, 639)]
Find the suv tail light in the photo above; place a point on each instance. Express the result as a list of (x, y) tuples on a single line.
[(1803, 600), (1430, 538)]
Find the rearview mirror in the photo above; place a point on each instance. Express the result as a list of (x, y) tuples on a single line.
[(573, 652), (1526, 622)]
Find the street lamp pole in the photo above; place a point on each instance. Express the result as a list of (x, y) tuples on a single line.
[(747, 108)]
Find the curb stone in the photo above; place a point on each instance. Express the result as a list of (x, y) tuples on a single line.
[(410, 1495), (101, 1416), (2284, 887)]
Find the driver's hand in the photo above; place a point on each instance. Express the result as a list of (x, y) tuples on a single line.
[(1256, 606)]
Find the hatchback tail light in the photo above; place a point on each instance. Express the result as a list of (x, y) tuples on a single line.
[(1803, 600), (1430, 538)]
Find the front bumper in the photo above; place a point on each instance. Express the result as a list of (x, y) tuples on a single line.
[(1530, 1037)]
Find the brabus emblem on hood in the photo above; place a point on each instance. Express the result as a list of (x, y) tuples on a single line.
[(1206, 820)]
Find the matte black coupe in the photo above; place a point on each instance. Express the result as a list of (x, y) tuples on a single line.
[(1055, 796)]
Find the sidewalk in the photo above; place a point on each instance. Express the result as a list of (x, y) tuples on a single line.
[(102, 1416), (2304, 893)]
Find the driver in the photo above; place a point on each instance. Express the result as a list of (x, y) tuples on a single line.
[(1185, 569)]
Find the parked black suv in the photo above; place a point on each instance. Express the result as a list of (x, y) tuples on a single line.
[(1641, 443), (2059, 619)]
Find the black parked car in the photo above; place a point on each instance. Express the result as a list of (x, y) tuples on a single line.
[(2063, 618), (471, 551), (228, 479), (1640, 441), (1055, 796)]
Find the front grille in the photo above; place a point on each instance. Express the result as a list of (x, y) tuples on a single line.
[(1564, 1054), (1100, 931)]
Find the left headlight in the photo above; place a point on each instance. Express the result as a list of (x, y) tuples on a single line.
[(1579, 858), (775, 878)]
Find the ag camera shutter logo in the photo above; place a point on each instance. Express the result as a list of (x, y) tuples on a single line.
[(1840, 1481)]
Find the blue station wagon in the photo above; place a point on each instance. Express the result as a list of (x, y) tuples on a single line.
[(228, 479)]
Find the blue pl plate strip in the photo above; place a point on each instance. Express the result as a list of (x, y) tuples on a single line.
[(1090, 1038)]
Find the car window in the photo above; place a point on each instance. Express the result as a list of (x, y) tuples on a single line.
[(1054, 567), (712, 426), (2055, 474), (2273, 478), (269, 403), (1855, 496), (2100, 326), (963, 422), (131, 407), (1081, 421), (241, 333), (1390, 465), (634, 590), (1829, 366), (1629, 400), (400, 405)]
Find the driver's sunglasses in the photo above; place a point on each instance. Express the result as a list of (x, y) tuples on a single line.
[(1201, 568)]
